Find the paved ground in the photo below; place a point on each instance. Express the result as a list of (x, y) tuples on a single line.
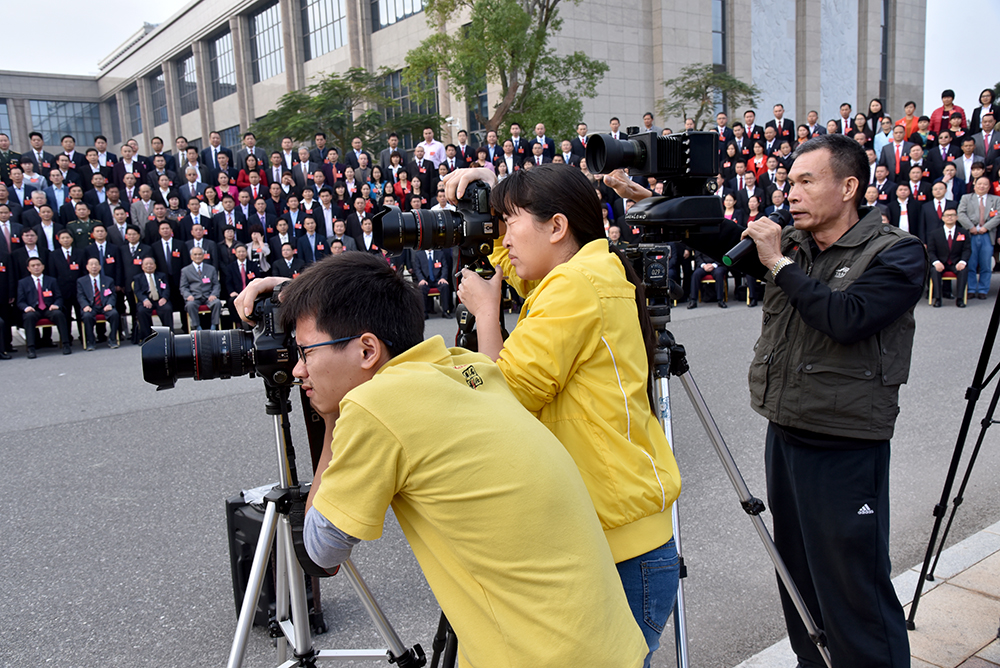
[(114, 533)]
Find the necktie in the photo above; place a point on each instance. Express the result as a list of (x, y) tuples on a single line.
[(229, 219), (243, 274), (944, 153), (6, 235), (941, 215), (897, 158), (255, 192), (538, 160), (198, 270), (312, 247), (430, 264), (97, 296), (154, 296), (949, 239), (69, 256), (41, 297), (741, 183), (215, 157)]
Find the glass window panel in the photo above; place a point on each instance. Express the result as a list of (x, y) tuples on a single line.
[(134, 110), (56, 118), (387, 12), (158, 96), (187, 84), (266, 47), (323, 26)]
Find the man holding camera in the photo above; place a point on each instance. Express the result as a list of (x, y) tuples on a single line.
[(834, 349), (494, 509)]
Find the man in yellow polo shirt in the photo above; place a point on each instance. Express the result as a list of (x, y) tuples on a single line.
[(491, 503)]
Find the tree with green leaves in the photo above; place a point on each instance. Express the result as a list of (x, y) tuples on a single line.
[(699, 88), (356, 103), (506, 43)]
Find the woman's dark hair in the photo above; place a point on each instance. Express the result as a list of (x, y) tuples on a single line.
[(990, 91), (847, 158), (354, 293), (549, 189), (246, 163), (258, 228), (372, 175)]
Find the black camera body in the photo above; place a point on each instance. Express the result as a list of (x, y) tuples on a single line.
[(472, 227), (268, 351), (690, 155)]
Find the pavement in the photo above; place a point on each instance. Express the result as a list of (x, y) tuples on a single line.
[(958, 616), (114, 541)]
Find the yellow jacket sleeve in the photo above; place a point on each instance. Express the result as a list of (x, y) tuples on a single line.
[(558, 331)]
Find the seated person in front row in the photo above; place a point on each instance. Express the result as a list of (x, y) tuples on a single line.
[(495, 510), (95, 294), (949, 249), (152, 295)]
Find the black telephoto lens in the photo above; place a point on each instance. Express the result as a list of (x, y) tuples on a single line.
[(421, 229), (198, 355), (605, 154)]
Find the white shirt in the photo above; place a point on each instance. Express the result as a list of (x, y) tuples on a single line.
[(433, 151), (102, 159), (48, 229), (904, 217)]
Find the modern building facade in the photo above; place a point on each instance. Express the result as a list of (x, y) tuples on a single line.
[(221, 64)]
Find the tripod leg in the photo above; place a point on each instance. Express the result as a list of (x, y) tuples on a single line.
[(281, 609), (257, 572), (301, 635), (754, 507), (661, 394)]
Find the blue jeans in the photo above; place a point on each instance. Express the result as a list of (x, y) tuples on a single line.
[(980, 264), (650, 582)]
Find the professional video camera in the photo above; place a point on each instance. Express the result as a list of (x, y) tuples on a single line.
[(268, 351), (687, 163)]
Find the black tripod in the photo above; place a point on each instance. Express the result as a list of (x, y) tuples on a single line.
[(669, 360), (979, 382)]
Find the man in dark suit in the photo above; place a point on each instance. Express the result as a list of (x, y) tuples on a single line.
[(239, 273), (750, 190), (230, 216), (463, 151), (304, 172), (170, 255), (538, 156), (932, 211), (42, 160), (38, 297), (579, 142), (193, 217), (19, 190), (199, 239), (283, 234), (152, 295), (770, 142), (90, 168), (547, 143), (118, 226), (383, 156), (754, 132), (896, 155), (318, 154), (133, 254), (249, 146), (288, 266), (129, 165), (10, 232), (312, 243), (340, 234), (949, 250), (156, 151), (904, 212), (421, 168), (431, 269), (940, 155), (95, 293), (192, 186), (47, 226), (66, 265), (567, 154), (919, 186), (357, 217), (108, 255), (21, 257), (725, 133), (784, 127), (367, 241), (210, 154), (988, 144), (351, 157)]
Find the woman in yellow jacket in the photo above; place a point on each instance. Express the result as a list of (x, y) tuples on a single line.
[(579, 359)]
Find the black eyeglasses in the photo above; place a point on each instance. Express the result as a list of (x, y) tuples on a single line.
[(302, 349)]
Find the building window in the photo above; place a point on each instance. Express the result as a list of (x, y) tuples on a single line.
[(266, 50), (196, 143), (4, 118), (387, 12), (401, 94), (220, 56), (719, 34), (231, 137), (476, 129), (158, 96), (187, 84), (55, 119), (134, 110), (324, 26), (116, 124)]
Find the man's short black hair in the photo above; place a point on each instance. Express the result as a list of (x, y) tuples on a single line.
[(101, 137), (847, 158), (35, 133), (614, 118), (924, 118), (320, 134), (65, 137), (354, 293)]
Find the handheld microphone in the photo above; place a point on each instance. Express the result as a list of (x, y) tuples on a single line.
[(737, 252)]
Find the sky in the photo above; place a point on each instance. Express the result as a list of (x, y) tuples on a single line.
[(941, 70)]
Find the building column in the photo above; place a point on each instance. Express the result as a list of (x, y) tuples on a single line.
[(738, 48), (124, 121), (808, 37), (244, 73), (291, 31), (906, 26), (20, 123), (145, 111), (355, 30), (869, 53), (206, 112), (173, 101)]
